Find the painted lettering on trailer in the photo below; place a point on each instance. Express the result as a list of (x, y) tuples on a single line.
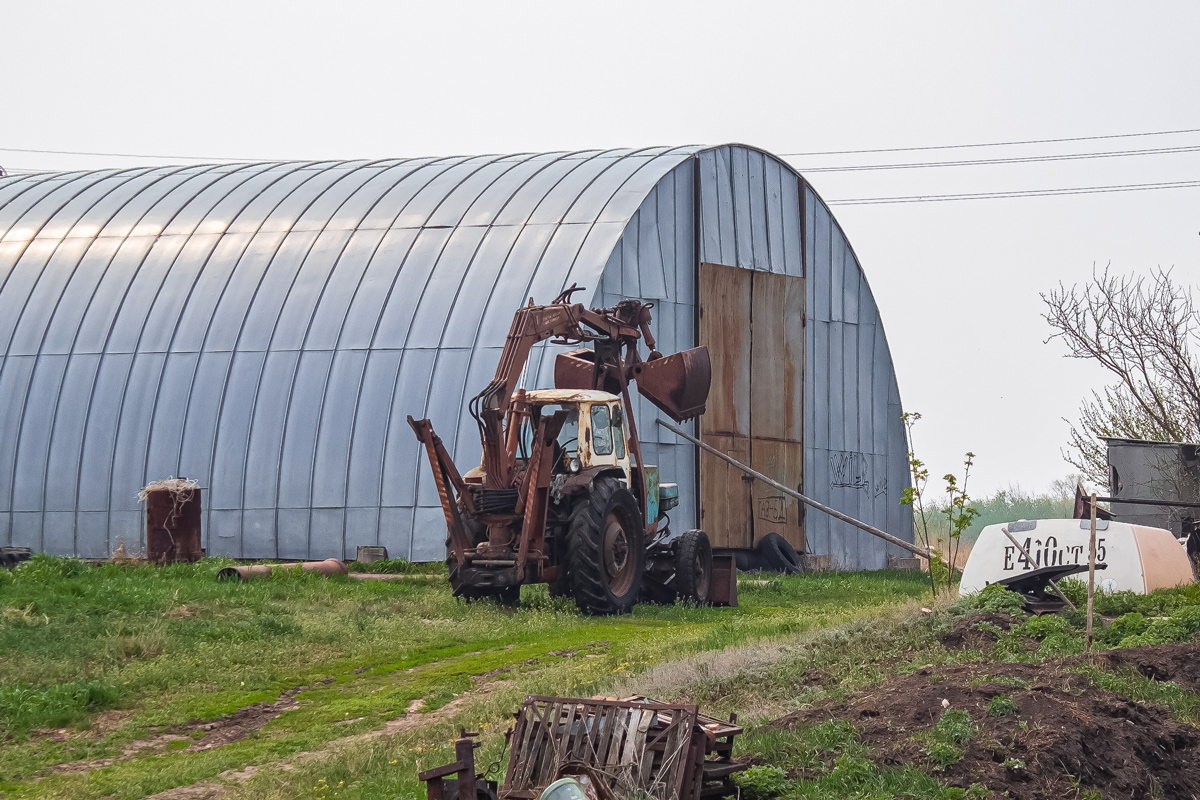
[(1049, 553)]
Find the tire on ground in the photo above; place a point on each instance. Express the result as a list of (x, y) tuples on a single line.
[(606, 579), (693, 566), (778, 555)]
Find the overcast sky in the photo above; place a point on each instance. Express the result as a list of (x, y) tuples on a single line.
[(957, 283)]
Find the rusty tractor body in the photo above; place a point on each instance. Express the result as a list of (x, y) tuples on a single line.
[(562, 495)]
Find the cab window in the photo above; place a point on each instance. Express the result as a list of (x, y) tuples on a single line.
[(618, 434), (602, 438)]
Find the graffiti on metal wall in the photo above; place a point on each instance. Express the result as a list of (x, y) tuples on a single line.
[(849, 470)]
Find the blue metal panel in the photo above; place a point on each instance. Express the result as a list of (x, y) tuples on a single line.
[(437, 297), (100, 312), (837, 279), (371, 416), (166, 427), (65, 445), (333, 439), (300, 432), (37, 308), (329, 318), (743, 232), (100, 434), (63, 327), (129, 451), (373, 292), (710, 209), (233, 430), (775, 216), (395, 324), (128, 318), (265, 445), (757, 197), (34, 439), (408, 396)]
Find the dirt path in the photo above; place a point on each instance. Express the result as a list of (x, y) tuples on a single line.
[(412, 719)]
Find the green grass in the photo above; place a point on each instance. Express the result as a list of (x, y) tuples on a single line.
[(164, 645)]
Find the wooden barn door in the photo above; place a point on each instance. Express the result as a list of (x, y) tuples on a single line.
[(753, 325)]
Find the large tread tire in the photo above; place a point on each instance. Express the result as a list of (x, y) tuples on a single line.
[(778, 555), (591, 581), (693, 567)]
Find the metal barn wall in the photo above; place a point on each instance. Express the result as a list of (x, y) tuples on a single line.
[(750, 212), (266, 328), (856, 448)]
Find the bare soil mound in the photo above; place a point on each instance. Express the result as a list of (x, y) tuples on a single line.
[(966, 635), (1065, 733), (1160, 662)]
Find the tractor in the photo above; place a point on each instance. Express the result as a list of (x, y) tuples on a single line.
[(563, 496)]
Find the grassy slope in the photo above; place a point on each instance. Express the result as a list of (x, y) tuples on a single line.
[(171, 644)]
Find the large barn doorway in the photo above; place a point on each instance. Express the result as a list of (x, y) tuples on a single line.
[(753, 325)]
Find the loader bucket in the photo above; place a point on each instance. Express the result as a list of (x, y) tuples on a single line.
[(678, 384), (575, 370)]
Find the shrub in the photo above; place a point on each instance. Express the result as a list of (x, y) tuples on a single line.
[(1001, 705), (23, 708), (1130, 624), (44, 568), (945, 741), (1061, 644), (761, 782), (1041, 627), (990, 598), (1166, 631), (1188, 618)]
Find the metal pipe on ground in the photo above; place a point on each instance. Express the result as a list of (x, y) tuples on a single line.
[(248, 572), (833, 512)]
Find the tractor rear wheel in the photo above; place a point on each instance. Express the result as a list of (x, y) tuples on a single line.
[(606, 549), (693, 566)]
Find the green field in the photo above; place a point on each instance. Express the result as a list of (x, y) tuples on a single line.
[(126, 681), (97, 661)]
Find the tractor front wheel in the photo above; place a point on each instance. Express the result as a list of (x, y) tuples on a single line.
[(693, 566), (606, 549)]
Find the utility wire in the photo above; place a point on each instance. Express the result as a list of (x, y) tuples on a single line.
[(992, 144), (935, 198), (119, 155), (1152, 151)]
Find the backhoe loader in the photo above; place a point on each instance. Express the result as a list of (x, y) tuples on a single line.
[(562, 495)]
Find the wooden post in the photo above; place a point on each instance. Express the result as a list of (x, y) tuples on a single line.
[(1091, 572), (871, 529)]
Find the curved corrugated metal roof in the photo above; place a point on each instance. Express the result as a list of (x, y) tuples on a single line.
[(256, 323)]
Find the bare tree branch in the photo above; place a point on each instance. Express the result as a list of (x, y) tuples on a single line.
[(1145, 332)]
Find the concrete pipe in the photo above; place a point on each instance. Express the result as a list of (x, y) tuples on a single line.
[(330, 566), (244, 573)]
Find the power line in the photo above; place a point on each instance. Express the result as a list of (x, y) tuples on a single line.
[(935, 198), (118, 155), (992, 144), (1010, 160)]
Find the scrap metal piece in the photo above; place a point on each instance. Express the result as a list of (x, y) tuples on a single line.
[(468, 785), (1034, 586)]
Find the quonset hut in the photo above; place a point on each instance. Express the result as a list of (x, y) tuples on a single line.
[(265, 329)]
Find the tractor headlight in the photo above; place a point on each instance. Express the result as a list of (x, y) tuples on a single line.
[(573, 464)]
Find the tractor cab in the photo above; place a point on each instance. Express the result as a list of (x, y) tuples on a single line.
[(592, 435)]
